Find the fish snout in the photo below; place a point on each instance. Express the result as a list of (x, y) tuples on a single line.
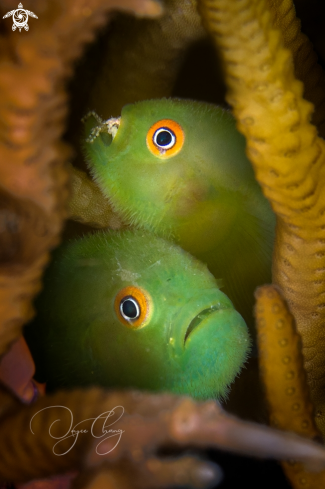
[(195, 314), (201, 317), (210, 346)]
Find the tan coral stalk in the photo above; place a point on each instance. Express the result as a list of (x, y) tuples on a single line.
[(289, 161), (88, 205), (148, 422), (28, 432), (32, 175), (142, 58)]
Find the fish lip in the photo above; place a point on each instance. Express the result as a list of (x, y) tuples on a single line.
[(195, 304), (202, 316)]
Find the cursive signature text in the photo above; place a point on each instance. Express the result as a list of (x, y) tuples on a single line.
[(100, 428)]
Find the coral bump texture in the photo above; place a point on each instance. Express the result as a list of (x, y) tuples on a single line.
[(288, 158), (33, 106), (281, 358), (306, 66)]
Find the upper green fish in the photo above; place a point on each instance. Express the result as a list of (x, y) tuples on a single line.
[(178, 168), (133, 310)]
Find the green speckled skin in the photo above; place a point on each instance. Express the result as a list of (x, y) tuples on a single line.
[(77, 338), (205, 197)]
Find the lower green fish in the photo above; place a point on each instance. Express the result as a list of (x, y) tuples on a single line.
[(131, 309)]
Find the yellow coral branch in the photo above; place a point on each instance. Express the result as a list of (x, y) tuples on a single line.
[(307, 68), (280, 358), (289, 162), (284, 378)]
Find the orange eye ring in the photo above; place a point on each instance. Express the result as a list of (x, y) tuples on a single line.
[(133, 307), (173, 134)]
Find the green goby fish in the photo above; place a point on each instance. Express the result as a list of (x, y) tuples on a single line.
[(178, 168), (131, 309)]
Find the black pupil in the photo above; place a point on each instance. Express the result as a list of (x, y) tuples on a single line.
[(164, 138), (129, 309)]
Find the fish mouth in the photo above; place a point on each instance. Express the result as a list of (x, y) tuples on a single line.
[(201, 316)]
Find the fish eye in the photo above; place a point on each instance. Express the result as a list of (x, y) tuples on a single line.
[(165, 138), (129, 308), (133, 307)]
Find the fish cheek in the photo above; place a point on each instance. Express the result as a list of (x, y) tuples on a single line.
[(128, 357), (145, 186)]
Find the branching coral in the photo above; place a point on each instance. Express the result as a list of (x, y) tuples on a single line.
[(288, 159), (37, 458), (33, 108)]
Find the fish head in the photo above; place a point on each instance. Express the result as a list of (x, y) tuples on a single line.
[(130, 309), (171, 326), (167, 165)]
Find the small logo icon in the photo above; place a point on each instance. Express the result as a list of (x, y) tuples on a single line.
[(20, 18)]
